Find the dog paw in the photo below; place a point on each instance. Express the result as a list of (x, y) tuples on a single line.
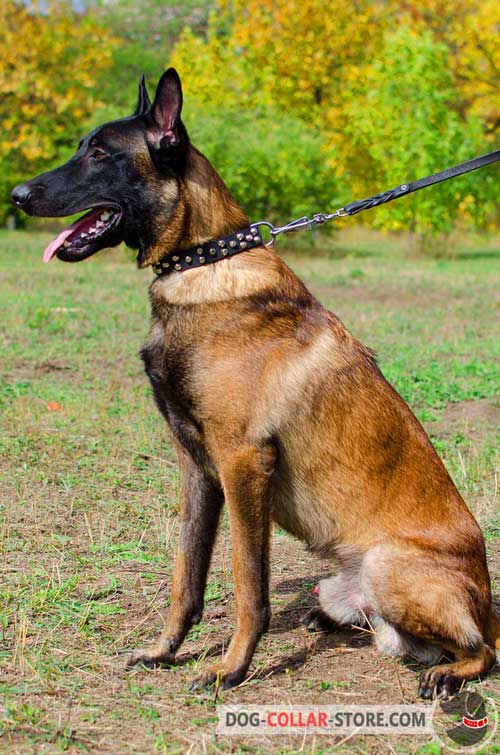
[(317, 620), (438, 683), (216, 676), (150, 658)]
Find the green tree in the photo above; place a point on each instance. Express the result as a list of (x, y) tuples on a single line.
[(388, 96), (147, 31), (274, 166), (403, 122)]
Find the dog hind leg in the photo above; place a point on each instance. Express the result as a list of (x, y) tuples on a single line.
[(416, 593)]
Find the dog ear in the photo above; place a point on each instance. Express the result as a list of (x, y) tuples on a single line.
[(166, 109), (143, 101)]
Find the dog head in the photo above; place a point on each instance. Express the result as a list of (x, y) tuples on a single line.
[(126, 173)]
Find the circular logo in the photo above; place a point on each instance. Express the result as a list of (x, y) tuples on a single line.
[(466, 723)]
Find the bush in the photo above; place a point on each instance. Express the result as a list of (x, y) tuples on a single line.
[(273, 163), (397, 138)]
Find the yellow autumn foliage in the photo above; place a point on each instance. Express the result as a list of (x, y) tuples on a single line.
[(470, 29), (392, 86), (363, 88), (49, 68)]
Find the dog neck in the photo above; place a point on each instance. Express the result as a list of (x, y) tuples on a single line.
[(246, 274), (204, 209)]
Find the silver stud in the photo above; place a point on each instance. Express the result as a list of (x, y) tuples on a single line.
[(243, 245), (224, 252), (199, 250), (240, 236), (166, 264), (213, 251), (202, 260), (221, 243), (232, 244), (255, 231), (248, 237), (189, 260), (175, 259), (178, 267)]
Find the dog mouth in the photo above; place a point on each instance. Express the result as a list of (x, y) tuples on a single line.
[(97, 229)]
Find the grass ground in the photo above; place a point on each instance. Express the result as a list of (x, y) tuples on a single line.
[(88, 501)]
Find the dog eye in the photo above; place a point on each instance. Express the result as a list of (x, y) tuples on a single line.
[(98, 154)]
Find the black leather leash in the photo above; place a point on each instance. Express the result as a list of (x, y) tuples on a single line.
[(386, 196), (248, 238), (400, 191)]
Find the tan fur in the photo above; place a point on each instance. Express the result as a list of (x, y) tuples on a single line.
[(283, 409), (201, 190), (230, 279)]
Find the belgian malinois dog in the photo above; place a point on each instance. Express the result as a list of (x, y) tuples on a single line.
[(276, 410)]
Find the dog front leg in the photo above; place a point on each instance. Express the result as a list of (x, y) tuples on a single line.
[(201, 502), (245, 480)]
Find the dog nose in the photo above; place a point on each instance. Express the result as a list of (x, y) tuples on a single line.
[(21, 194)]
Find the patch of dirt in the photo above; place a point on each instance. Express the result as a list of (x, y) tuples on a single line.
[(149, 711), (473, 419), (23, 369), (291, 664), (47, 367), (388, 298)]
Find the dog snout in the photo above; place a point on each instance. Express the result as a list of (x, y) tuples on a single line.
[(23, 195)]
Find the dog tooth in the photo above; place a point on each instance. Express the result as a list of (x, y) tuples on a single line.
[(66, 244), (105, 215)]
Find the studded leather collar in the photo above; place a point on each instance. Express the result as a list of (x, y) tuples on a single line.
[(210, 251)]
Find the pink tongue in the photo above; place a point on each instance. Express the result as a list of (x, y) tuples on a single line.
[(55, 245)]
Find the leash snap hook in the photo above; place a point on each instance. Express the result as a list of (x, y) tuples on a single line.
[(272, 230)]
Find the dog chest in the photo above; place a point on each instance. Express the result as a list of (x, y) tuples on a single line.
[(168, 367)]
